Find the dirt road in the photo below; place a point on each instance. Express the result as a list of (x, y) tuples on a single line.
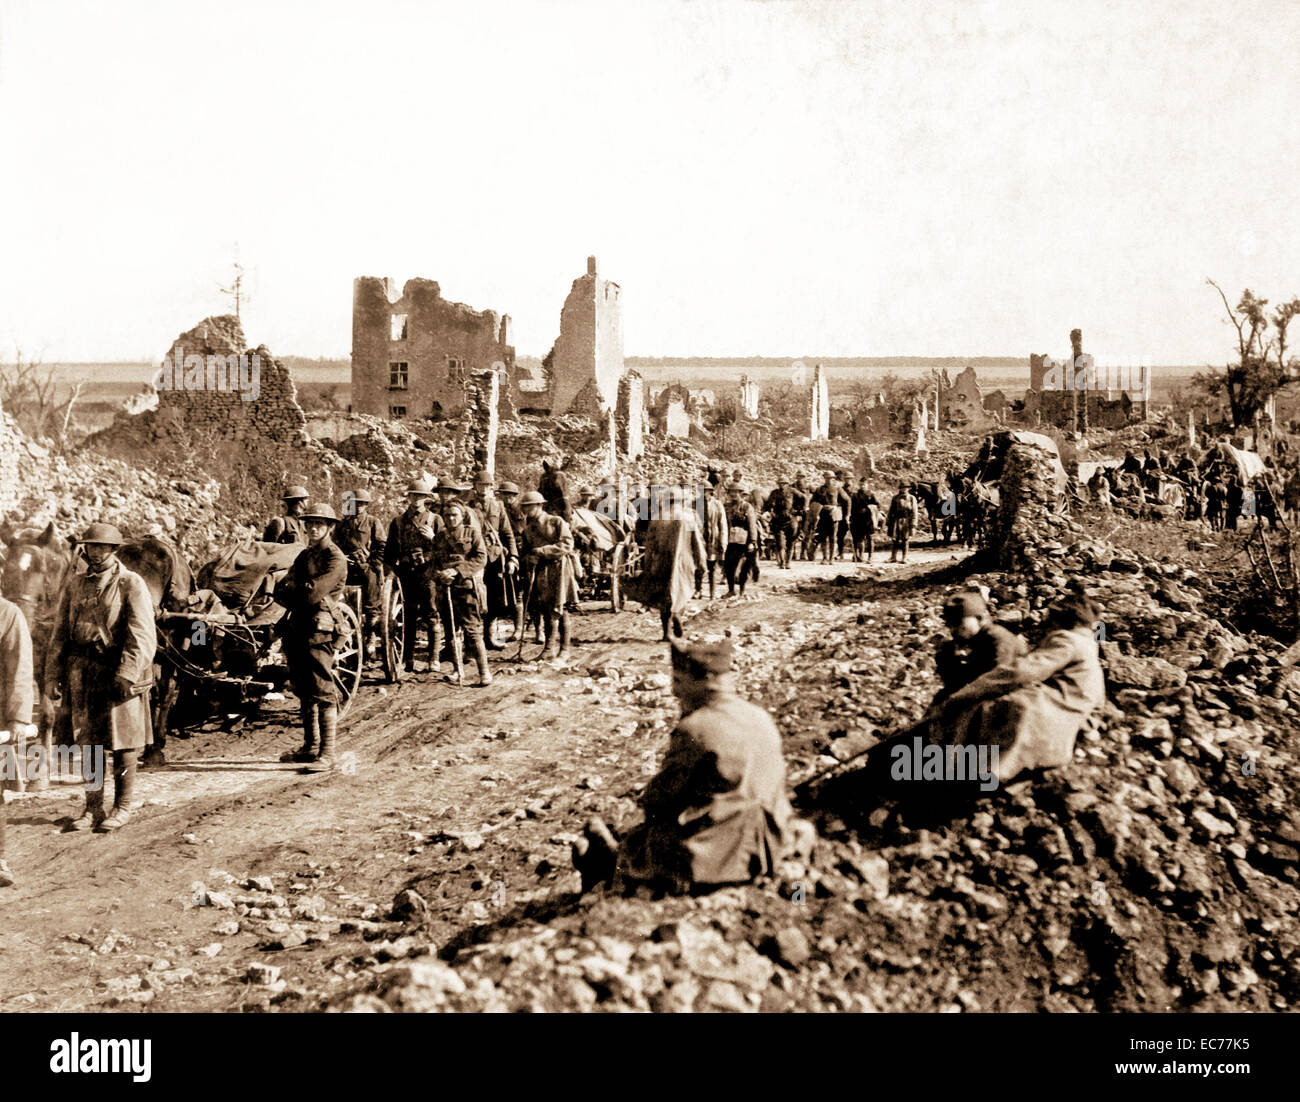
[(473, 795)]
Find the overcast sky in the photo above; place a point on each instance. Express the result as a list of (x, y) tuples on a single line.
[(780, 178)]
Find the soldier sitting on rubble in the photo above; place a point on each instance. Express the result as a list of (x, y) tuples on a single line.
[(976, 646), (716, 812)]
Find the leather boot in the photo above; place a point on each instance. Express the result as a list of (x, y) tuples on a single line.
[(564, 637), (480, 657), (124, 763), (93, 813), (552, 639), (329, 722), (310, 733), (488, 641)]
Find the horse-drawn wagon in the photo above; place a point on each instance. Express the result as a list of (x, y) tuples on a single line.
[(222, 648), (609, 554)]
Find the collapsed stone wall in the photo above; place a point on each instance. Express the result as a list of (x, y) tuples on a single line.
[(211, 381), (480, 425), (1026, 516), (631, 415)]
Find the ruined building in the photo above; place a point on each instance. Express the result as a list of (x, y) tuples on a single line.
[(1099, 395), (414, 354), (581, 372)]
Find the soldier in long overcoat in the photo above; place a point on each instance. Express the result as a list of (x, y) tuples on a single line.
[(101, 660), (548, 550)]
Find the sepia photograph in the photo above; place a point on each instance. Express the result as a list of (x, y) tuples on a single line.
[(679, 507)]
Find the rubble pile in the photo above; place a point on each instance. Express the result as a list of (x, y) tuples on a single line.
[(1161, 870)]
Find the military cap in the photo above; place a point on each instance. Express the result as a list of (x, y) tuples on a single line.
[(101, 533), (701, 660), (961, 605), (295, 493), (419, 486), (507, 488), (361, 497), (1081, 606), (532, 498), (321, 510)]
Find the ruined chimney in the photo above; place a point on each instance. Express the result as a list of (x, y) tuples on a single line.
[(591, 266)]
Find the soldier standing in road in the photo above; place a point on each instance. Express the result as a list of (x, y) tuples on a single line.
[(901, 522), (408, 552), (458, 561), (361, 536), (780, 505), (844, 499), (314, 583), (863, 525), (502, 556), (288, 527), (714, 535), (547, 547), (16, 702), (101, 657), (742, 541), (800, 504)]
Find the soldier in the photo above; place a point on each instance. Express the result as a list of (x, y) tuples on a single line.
[(800, 502), (977, 644), (288, 528), (508, 493), (459, 557), (903, 514), (674, 556), (361, 536), (314, 582), (822, 519), (742, 541), (714, 536), (16, 702), (780, 504), (554, 488), (1236, 497), (845, 501), (452, 490), (502, 556), (716, 812), (101, 658), (547, 547), (863, 526), (408, 552)]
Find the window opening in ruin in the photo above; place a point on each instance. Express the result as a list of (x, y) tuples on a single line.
[(454, 366), (397, 411), (397, 376), (399, 327)]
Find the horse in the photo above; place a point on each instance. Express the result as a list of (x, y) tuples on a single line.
[(170, 582), (36, 564), (934, 502)]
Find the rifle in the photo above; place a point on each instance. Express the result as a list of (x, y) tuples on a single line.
[(523, 615), (457, 650)]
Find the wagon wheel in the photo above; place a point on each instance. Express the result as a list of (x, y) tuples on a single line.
[(392, 628), (348, 658)]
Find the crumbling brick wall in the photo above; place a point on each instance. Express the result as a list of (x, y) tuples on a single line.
[(631, 415), (481, 422), (442, 343), (584, 366), (211, 383)]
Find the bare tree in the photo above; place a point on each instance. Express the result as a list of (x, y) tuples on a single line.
[(1262, 367)]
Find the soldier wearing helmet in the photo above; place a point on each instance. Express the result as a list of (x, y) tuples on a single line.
[(361, 536), (548, 551), (100, 659), (314, 583), (409, 553), (288, 527)]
